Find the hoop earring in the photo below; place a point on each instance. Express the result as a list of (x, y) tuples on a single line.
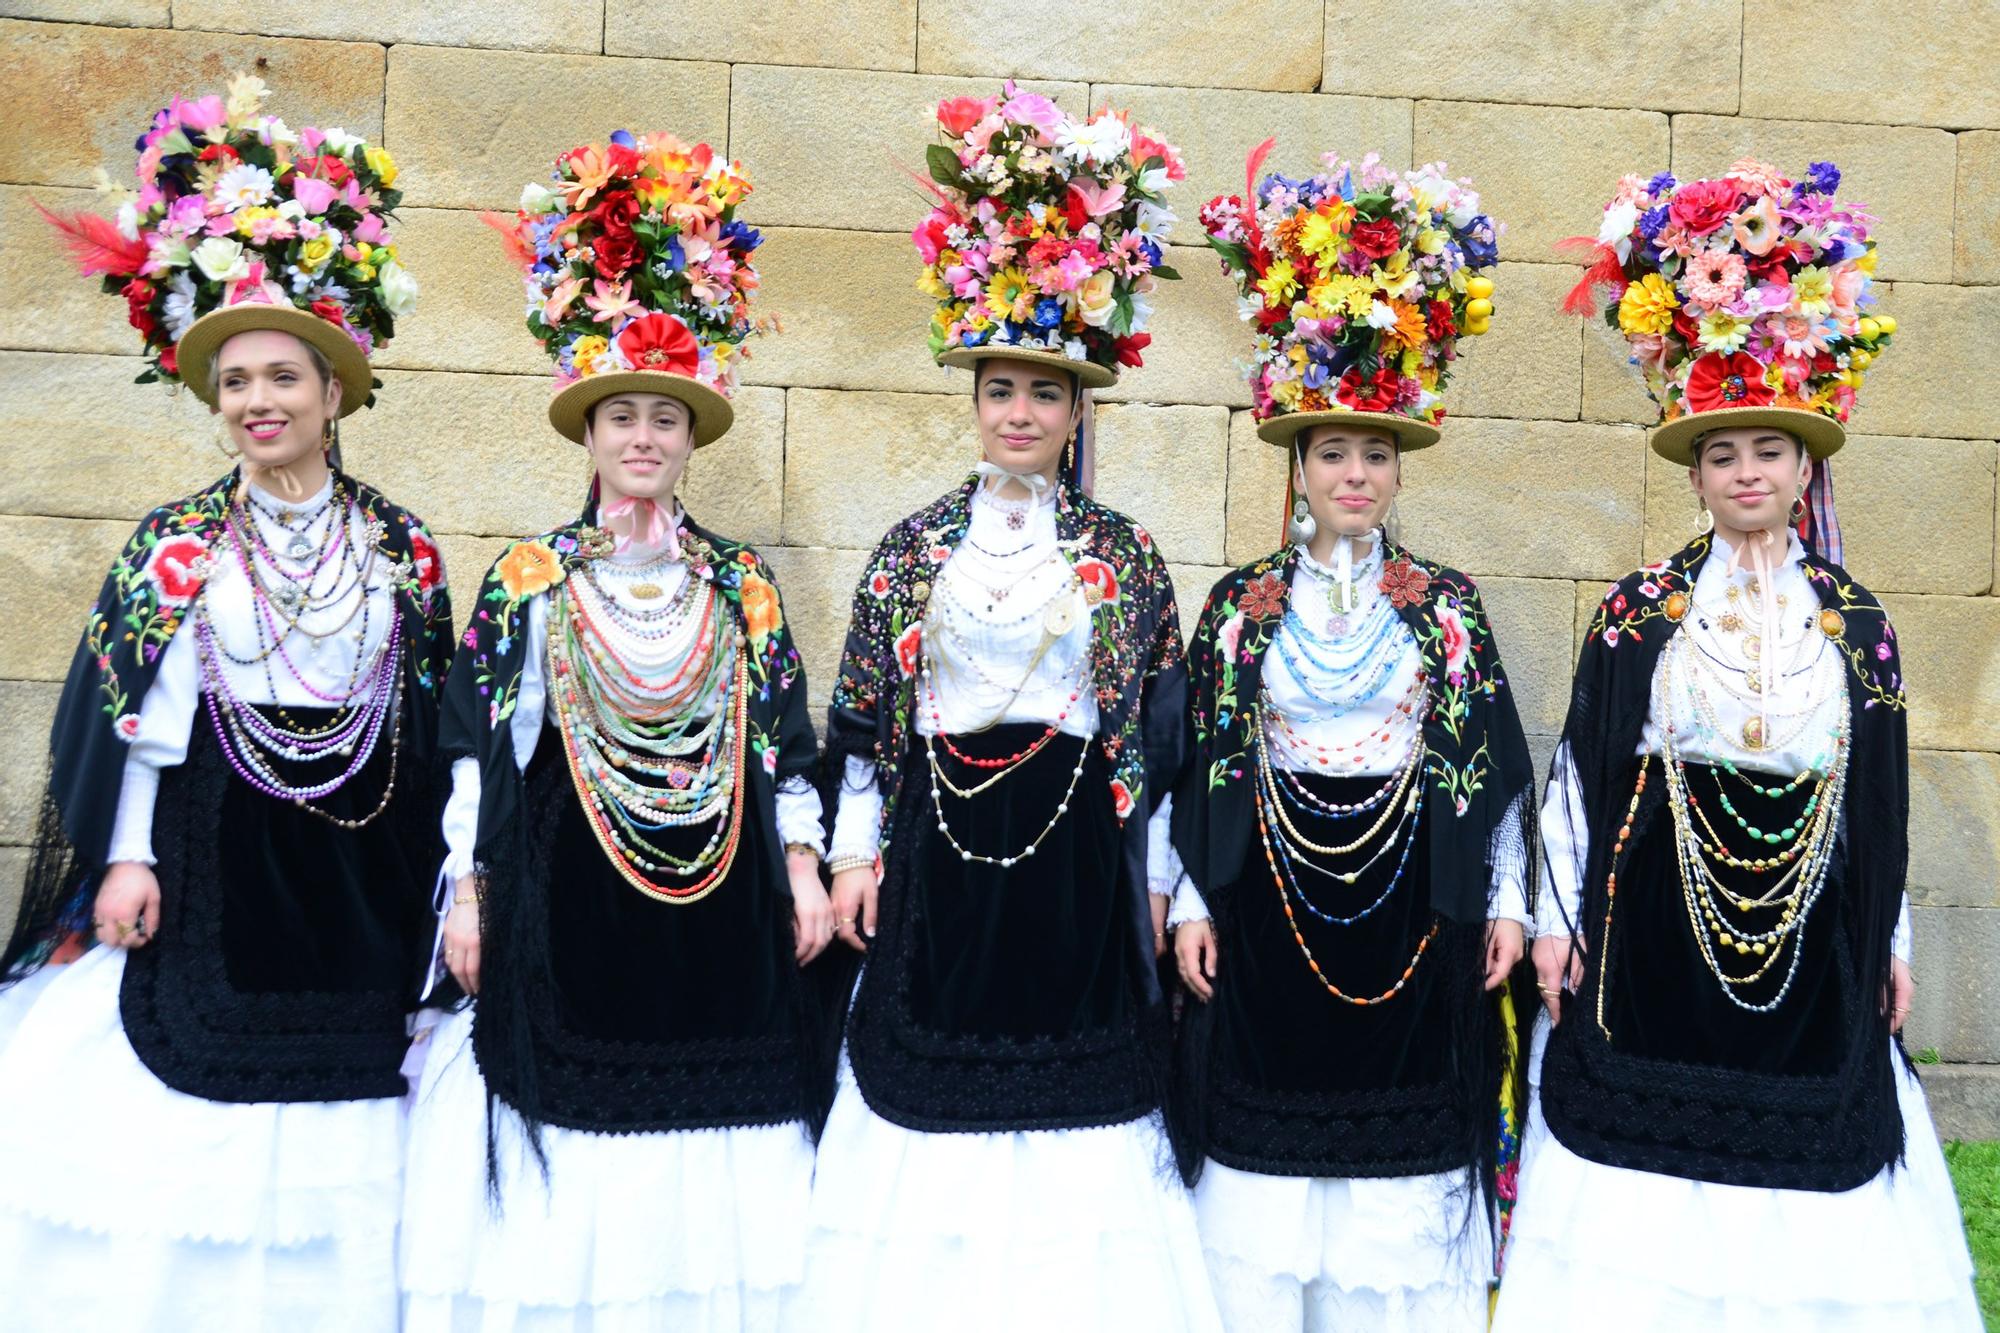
[(221, 441), (1303, 527), (1706, 523)]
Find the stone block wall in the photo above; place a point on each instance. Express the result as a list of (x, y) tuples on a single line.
[(1543, 490)]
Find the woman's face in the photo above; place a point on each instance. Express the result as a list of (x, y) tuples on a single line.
[(640, 443), (274, 400), (1749, 476), (1027, 413), (1348, 476)]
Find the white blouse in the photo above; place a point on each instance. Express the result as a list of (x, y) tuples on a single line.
[(355, 637), (1354, 637), (993, 661), (1702, 688), (663, 574)]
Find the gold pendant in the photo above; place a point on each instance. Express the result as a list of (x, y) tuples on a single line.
[(1755, 681), (1729, 622), (1753, 647), (646, 592), (1753, 733)]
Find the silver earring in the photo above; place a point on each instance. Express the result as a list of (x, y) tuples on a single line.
[(1705, 524), (221, 439), (1302, 528)]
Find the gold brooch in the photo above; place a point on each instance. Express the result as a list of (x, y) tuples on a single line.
[(1831, 623), (1676, 605)]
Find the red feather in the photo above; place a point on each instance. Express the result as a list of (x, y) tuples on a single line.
[(510, 237), (95, 244), (1256, 160), (1604, 269)]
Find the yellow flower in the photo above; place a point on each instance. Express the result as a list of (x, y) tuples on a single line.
[(1648, 306), (1008, 289), (1867, 262), (1396, 278), (383, 165), (1431, 241), (529, 568), (583, 356), (1325, 232), (931, 283), (1812, 290), (314, 253), (1723, 332), (1285, 393), (1279, 282)]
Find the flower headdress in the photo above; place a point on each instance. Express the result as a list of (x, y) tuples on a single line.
[(240, 222), (638, 276), (1360, 281), (1742, 299), (1047, 238)]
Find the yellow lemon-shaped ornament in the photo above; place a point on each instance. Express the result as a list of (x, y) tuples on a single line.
[(1478, 308), (1859, 359), (1887, 323), (1479, 288), (1871, 329)]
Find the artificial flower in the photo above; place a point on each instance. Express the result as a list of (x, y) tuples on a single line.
[(1756, 228), (398, 288), (221, 259), (1714, 278), (1701, 207), (1733, 380)]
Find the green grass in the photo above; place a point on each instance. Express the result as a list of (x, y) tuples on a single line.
[(1975, 1169)]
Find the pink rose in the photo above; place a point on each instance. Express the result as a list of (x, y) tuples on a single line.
[(1229, 636), (312, 193), (1457, 643), (1121, 799), (910, 649), (177, 568)]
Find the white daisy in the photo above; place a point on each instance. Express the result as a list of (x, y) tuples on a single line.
[(179, 308), (243, 186), (1101, 141)]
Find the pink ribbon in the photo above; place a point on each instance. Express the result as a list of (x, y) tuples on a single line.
[(650, 529)]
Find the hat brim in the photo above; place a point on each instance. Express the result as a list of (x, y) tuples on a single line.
[(569, 410), (1408, 432), (1088, 373), (202, 344), (1821, 434)]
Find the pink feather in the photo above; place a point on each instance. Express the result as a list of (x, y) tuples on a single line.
[(95, 244), (510, 237)]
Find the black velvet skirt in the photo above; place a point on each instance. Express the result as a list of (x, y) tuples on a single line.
[(1302, 1083), (613, 1011), (289, 950), (1004, 998), (1689, 1083)]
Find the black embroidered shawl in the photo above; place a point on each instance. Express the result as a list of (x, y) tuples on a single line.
[(1711, 1122), (521, 1045), (142, 605)]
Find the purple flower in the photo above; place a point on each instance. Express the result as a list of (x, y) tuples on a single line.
[(1881, 652), (471, 637), (1661, 183), (1821, 178), (1651, 221)]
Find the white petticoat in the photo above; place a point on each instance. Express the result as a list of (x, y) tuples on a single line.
[(685, 1231), (1605, 1247), (1047, 1230), (127, 1205), (1395, 1255)]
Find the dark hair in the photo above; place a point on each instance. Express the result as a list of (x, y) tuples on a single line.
[(979, 378), (590, 417)]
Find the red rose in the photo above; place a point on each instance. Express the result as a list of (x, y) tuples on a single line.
[(1100, 583), (170, 360), (1438, 321), (1074, 212), (429, 564), (624, 161), (910, 649), (1376, 394), (1735, 380), (616, 247), (219, 152), (1121, 799), (1130, 346), (138, 295), (330, 310), (1378, 239), (172, 569), (660, 342), (1699, 207), (333, 170)]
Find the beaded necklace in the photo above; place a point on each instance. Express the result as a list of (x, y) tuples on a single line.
[(654, 739), (256, 740)]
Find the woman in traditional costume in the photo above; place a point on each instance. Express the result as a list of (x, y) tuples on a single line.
[(1729, 1133), (222, 935), (1355, 818), (616, 1131), (1008, 714)]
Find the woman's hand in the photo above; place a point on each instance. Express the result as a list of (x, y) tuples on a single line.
[(1558, 967), (461, 935), (1159, 902), (127, 911), (812, 914), (1902, 993), (854, 897), (1506, 944), (1195, 954)]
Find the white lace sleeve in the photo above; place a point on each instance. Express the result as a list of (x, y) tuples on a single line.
[(857, 819), (1565, 844), (799, 814)]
